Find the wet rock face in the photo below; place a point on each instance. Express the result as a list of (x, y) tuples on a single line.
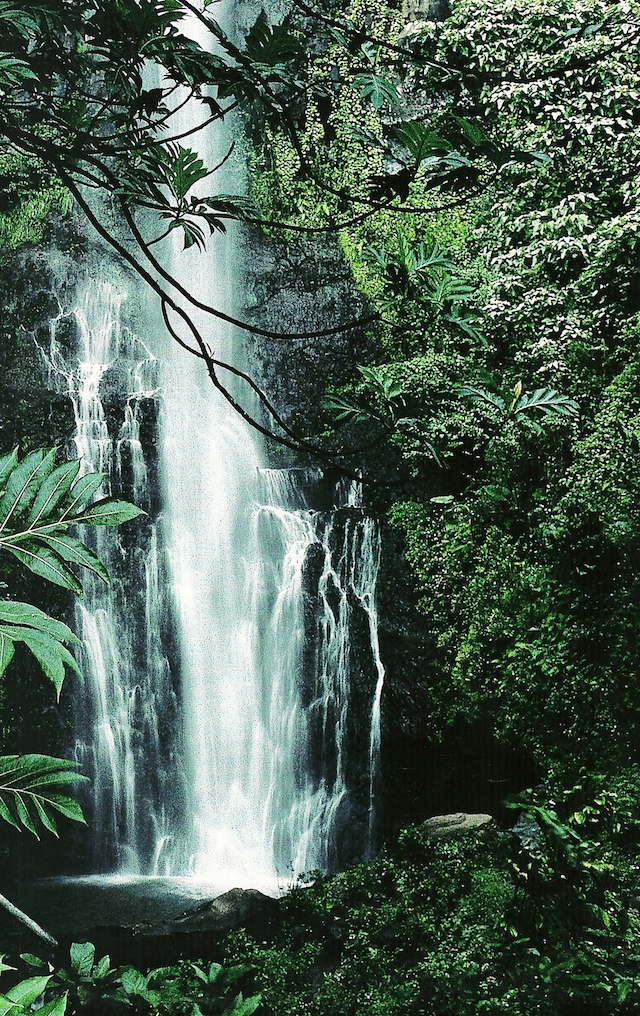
[(31, 408), (301, 287)]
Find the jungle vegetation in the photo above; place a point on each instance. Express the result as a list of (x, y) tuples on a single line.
[(479, 169)]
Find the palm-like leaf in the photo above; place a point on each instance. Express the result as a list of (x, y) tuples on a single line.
[(482, 395), (547, 401), (32, 791), (39, 504)]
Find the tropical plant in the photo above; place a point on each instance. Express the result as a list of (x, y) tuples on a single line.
[(41, 504), (546, 401), (91, 986)]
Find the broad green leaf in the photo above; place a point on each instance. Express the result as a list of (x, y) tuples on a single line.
[(108, 512), (15, 612), (4, 966), (346, 410), (45, 817), (14, 71), (482, 395), (421, 141), (7, 814), (243, 1006), (82, 955), (82, 490), (377, 89), (101, 968), (7, 650), (7, 464), (6, 1005), (75, 552), (52, 655), (24, 815), (29, 786), (56, 1007), (549, 402), (28, 991), (67, 806), (187, 169), (33, 961), (52, 491), (133, 981), (43, 561), (23, 485)]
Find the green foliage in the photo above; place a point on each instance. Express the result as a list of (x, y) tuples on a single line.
[(89, 986), (39, 503), (30, 193), (30, 791), (73, 100), (509, 324), (540, 921)]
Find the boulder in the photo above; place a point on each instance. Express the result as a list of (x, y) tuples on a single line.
[(446, 827), (236, 908)]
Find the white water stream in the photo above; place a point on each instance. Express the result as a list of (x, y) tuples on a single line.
[(218, 674)]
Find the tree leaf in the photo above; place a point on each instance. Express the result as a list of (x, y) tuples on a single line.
[(82, 955), (44, 562), (35, 780), (482, 395), (53, 490), (28, 991), (15, 612), (50, 654), (7, 650), (7, 465), (24, 483), (82, 490), (377, 90), (108, 512), (549, 402), (56, 1007), (75, 552), (24, 816), (419, 140), (67, 806)]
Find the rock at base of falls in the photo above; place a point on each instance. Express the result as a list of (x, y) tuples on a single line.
[(234, 909)]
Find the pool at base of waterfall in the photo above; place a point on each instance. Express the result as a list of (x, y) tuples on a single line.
[(73, 908)]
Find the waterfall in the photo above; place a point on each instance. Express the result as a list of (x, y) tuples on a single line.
[(127, 699), (230, 719), (219, 662)]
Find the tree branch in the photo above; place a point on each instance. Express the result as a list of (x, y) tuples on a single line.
[(26, 920)]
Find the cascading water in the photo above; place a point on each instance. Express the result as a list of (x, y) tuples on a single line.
[(221, 665), (127, 700)]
